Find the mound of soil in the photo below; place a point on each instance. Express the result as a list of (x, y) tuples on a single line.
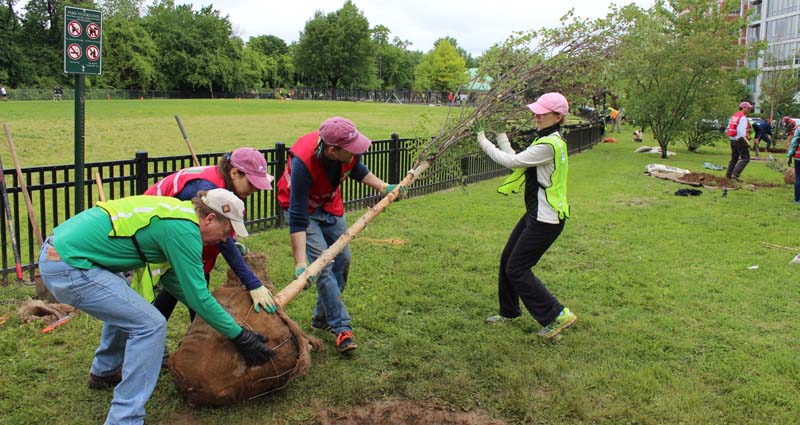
[(706, 179), (402, 412)]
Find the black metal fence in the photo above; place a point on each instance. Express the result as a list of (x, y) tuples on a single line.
[(52, 188)]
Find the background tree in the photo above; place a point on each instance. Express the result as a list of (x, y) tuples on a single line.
[(441, 69), (676, 54), (128, 55), (335, 49), (778, 91)]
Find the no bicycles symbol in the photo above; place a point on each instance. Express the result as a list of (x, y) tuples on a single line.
[(74, 51)]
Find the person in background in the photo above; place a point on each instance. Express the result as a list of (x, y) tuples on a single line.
[(3, 93), (310, 193), (616, 119), (738, 131), (542, 169), (82, 265), (793, 155), (791, 126), (243, 172), (763, 131)]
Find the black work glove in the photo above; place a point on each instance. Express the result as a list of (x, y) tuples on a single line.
[(789, 161), (251, 345)]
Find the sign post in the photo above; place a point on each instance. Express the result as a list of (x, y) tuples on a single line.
[(83, 54)]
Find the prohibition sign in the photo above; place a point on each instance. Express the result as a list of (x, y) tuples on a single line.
[(93, 31), (92, 53), (74, 51), (74, 28)]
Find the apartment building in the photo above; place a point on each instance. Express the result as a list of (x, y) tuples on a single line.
[(778, 23)]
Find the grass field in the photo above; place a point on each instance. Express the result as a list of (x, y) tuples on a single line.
[(676, 325), (43, 131)]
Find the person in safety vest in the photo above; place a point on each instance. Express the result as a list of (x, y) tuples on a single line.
[(616, 119), (310, 193), (762, 132), (542, 170), (82, 262), (793, 153), (738, 131)]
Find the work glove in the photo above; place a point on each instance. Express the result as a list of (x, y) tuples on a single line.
[(243, 249), (391, 187), (263, 298), (299, 269), (478, 127), (501, 127), (789, 161), (252, 347)]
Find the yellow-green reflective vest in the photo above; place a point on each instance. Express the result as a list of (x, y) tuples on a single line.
[(556, 193), (129, 215)]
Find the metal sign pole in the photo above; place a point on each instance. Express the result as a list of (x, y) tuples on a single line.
[(80, 140)]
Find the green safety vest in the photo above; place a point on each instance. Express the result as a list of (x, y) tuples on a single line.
[(556, 193), (129, 215)]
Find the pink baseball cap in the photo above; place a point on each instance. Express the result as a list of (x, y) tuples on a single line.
[(342, 133), (550, 102), (252, 163), (745, 105)]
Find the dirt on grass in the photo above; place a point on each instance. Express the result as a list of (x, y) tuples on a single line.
[(403, 412), (710, 180)]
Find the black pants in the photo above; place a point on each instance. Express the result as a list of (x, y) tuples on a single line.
[(165, 303), (740, 156), (529, 240)]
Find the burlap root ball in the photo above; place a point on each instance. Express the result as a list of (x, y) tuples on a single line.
[(207, 368)]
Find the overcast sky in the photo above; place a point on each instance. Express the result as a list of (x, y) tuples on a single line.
[(476, 25)]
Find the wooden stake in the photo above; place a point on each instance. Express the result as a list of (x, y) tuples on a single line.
[(291, 290)]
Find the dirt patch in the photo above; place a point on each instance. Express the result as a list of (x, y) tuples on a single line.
[(707, 180), (711, 181), (405, 412)]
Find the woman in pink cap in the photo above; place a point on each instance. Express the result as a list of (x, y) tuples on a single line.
[(542, 169), (243, 172)]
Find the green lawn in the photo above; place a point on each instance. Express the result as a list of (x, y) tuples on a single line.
[(43, 131), (675, 324)]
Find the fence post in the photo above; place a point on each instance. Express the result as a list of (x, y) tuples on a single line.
[(394, 158), (464, 169), (280, 166), (141, 172)]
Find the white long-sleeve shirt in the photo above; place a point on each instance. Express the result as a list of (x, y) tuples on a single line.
[(539, 156)]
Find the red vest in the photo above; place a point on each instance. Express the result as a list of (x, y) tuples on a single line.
[(322, 194), (734, 122), (174, 183)]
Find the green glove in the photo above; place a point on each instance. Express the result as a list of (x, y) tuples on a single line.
[(299, 269), (391, 187), (478, 127), (789, 161), (501, 127), (242, 248)]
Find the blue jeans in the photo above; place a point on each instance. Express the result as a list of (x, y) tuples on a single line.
[(323, 230), (133, 330)]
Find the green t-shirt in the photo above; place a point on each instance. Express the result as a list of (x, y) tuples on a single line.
[(83, 243)]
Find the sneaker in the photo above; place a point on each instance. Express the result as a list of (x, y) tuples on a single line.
[(326, 328), (499, 319), (345, 342), (564, 320), (104, 382)]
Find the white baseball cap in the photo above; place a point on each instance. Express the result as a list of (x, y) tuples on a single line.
[(225, 202)]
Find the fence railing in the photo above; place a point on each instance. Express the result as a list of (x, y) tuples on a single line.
[(52, 188)]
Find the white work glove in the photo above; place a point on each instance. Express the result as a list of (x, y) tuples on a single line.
[(262, 297)]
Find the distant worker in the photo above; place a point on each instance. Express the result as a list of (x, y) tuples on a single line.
[(763, 131), (3, 93), (738, 131), (616, 119), (791, 125)]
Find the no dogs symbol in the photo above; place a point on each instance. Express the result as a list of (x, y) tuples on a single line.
[(93, 31)]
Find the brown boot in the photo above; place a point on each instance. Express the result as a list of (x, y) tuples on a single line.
[(104, 382)]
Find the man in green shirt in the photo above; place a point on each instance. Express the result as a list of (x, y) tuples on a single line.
[(81, 264)]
